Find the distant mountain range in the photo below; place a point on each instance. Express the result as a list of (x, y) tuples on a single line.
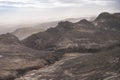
[(24, 32)]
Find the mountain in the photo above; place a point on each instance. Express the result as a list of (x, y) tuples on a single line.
[(16, 59), (26, 31), (75, 38), (22, 33), (83, 50), (8, 28), (82, 36), (5, 29)]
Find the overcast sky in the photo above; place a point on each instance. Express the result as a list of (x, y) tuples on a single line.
[(28, 11)]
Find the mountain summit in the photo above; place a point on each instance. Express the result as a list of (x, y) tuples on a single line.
[(104, 15)]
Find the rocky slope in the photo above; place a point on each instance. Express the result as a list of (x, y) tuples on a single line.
[(101, 66), (82, 36), (16, 59)]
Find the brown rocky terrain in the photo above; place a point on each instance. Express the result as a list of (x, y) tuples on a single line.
[(98, 41), (85, 50), (81, 36), (100, 66), (16, 59)]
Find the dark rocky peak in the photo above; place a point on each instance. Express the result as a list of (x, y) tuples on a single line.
[(104, 16), (65, 23), (83, 21), (108, 20), (85, 24), (9, 39), (52, 30)]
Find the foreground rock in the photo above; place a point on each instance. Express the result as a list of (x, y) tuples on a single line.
[(16, 59), (101, 66)]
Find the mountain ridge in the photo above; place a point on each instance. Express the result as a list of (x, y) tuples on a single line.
[(67, 35)]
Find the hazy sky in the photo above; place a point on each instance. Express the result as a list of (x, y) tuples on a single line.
[(17, 11)]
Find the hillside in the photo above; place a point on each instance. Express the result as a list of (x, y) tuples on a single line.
[(16, 59), (100, 66), (102, 33)]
